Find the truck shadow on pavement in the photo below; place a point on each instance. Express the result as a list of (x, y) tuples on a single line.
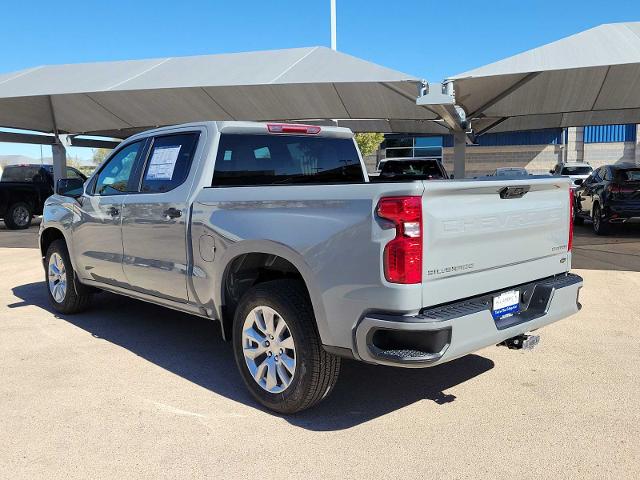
[(193, 348)]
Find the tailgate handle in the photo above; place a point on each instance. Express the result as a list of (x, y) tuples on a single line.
[(514, 192)]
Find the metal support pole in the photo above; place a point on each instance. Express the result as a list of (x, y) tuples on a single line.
[(59, 154), (333, 25), (58, 150), (459, 154)]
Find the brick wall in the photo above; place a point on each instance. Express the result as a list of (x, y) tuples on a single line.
[(484, 160), (598, 154)]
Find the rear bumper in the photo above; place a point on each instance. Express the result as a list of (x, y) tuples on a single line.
[(623, 212), (440, 334)]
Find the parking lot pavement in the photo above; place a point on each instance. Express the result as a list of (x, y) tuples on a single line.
[(130, 390), (20, 238)]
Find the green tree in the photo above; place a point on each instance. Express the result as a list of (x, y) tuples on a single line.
[(369, 142), (99, 154)]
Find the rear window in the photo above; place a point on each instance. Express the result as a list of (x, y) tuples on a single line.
[(511, 172), (21, 174), (245, 160), (629, 175), (411, 169), (576, 170)]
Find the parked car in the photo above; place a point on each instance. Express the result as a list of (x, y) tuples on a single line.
[(576, 171), (274, 231), (411, 168), (609, 196), (23, 190), (512, 172)]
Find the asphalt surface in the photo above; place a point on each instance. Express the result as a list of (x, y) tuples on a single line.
[(130, 390)]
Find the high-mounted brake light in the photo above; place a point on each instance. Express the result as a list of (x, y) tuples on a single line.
[(571, 207), (293, 128), (402, 258)]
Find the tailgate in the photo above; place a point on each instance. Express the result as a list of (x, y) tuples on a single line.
[(481, 236)]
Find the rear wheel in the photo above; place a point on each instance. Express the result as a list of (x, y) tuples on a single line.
[(18, 216), (600, 226), (277, 348), (61, 280)]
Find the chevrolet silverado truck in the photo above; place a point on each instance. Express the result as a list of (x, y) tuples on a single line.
[(275, 232)]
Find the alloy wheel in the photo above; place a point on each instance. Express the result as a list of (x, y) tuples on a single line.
[(20, 216), (57, 275), (269, 350)]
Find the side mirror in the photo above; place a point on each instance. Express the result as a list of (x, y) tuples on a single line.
[(552, 172), (579, 181), (452, 176), (70, 187)]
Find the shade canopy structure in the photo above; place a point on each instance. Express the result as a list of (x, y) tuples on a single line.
[(117, 99), (589, 78)]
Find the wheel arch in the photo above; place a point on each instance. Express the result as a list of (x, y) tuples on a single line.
[(252, 262), (48, 236)]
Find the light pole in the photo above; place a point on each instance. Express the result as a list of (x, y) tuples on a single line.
[(333, 25)]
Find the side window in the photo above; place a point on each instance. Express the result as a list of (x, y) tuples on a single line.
[(607, 174), (73, 173), (168, 162), (599, 175), (113, 179)]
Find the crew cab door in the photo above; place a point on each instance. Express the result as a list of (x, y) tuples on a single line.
[(156, 218), (97, 235)]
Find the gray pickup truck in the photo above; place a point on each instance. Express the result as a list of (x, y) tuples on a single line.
[(275, 231)]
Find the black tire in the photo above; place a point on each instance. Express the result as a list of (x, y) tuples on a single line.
[(18, 216), (600, 226), (316, 371), (72, 301)]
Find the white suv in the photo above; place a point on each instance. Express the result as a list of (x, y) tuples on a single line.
[(574, 170)]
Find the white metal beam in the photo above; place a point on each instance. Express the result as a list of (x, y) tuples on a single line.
[(333, 26)]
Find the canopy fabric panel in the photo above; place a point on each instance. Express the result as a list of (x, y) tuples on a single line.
[(116, 98), (592, 77)]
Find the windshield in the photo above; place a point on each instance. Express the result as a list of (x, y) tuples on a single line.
[(579, 170), (411, 169)]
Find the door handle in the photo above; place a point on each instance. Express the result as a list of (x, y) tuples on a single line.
[(170, 213), (113, 211)]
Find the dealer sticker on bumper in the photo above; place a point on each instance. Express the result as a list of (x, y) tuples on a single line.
[(505, 304)]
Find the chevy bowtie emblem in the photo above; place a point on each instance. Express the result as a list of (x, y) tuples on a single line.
[(514, 192)]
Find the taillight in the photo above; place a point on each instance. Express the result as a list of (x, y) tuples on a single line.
[(571, 207), (293, 128), (402, 257), (617, 188)]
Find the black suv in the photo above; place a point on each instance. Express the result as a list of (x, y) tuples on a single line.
[(23, 190), (609, 196)]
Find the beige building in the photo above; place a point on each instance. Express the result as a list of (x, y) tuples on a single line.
[(540, 158)]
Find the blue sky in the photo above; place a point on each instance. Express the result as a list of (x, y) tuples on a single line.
[(430, 39)]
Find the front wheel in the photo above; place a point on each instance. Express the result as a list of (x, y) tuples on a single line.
[(278, 350), (60, 279), (18, 216)]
